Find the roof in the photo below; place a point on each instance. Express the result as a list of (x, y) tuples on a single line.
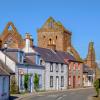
[(32, 66), (87, 70), (28, 58), (53, 56), (12, 54)]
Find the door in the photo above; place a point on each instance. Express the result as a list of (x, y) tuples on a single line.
[(57, 83), (74, 81), (30, 84)]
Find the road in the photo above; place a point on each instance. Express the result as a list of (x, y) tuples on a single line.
[(81, 94)]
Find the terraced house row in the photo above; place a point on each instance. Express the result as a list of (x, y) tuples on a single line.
[(55, 60)]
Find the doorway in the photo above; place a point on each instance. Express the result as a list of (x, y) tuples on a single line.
[(74, 81), (57, 83)]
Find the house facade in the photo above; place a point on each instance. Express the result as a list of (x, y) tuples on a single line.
[(90, 66), (4, 83), (21, 65), (56, 71), (54, 47), (75, 74)]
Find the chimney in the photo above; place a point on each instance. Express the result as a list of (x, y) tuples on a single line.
[(5, 45), (52, 46), (27, 41)]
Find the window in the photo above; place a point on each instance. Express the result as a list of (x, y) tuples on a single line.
[(20, 57), (37, 59), (21, 82), (69, 81), (62, 81), (50, 24), (57, 68), (74, 66), (40, 62), (44, 37), (78, 79), (40, 81), (51, 81), (78, 66), (4, 85), (51, 67), (50, 41), (70, 66), (62, 68), (56, 37)]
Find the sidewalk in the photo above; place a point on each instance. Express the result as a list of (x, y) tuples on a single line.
[(22, 96), (94, 98)]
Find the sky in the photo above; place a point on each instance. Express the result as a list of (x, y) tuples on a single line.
[(81, 17)]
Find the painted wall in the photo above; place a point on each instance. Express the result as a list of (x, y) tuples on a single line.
[(75, 75), (10, 63), (4, 90), (31, 71), (54, 74)]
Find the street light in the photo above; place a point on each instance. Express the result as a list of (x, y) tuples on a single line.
[(26, 64)]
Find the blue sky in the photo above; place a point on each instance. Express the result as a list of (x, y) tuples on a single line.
[(81, 17)]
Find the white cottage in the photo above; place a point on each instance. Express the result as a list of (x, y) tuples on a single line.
[(22, 64), (56, 70)]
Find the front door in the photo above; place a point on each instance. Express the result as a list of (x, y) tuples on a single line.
[(57, 83), (30, 84), (74, 81)]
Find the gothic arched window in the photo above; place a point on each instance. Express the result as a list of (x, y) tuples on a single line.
[(50, 41), (50, 24)]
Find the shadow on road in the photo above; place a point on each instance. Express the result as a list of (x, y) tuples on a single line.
[(13, 97)]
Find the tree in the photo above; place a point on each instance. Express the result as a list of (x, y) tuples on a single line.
[(36, 82), (96, 86), (26, 79), (13, 85)]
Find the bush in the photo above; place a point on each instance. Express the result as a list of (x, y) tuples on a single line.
[(96, 86), (26, 79), (13, 85), (36, 82)]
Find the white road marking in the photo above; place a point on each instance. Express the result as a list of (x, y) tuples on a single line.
[(52, 95), (64, 95), (59, 98)]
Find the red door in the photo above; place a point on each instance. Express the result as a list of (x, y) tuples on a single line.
[(74, 81)]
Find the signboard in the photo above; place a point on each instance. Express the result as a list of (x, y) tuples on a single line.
[(21, 71)]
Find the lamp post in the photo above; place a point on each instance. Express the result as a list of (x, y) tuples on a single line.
[(27, 67)]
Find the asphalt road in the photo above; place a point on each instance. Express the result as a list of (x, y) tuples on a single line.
[(81, 94)]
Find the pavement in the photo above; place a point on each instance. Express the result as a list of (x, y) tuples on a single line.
[(70, 94)]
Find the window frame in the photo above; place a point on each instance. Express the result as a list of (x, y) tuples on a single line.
[(62, 68), (51, 67), (51, 81), (57, 67), (62, 81)]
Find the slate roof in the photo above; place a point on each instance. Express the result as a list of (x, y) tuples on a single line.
[(53, 56), (87, 70), (12, 54)]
